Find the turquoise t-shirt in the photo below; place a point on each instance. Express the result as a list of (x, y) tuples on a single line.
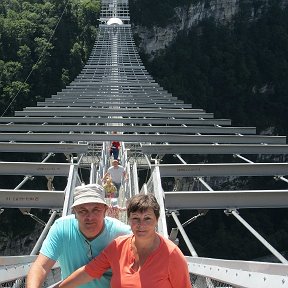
[(67, 245)]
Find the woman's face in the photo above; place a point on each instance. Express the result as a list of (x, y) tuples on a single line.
[(143, 223)]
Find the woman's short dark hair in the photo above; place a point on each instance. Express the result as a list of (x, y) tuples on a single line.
[(141, 203)]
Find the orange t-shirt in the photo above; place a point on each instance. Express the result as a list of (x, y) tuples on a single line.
[(166, 267), (115, 144)]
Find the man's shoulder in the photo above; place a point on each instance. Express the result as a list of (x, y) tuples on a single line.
[(109, 221), (66, 221), (120, 168), (115, 225), (68, 218)]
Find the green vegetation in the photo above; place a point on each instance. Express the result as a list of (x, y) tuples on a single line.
[(28, 45)]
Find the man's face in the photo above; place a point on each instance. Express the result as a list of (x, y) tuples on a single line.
[(90, 217), (115, 163)]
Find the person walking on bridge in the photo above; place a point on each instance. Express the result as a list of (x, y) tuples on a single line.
[(117, 173), (144, 259), (115, 147), (76, 239)]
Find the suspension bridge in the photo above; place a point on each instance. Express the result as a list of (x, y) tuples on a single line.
[(71, 133)]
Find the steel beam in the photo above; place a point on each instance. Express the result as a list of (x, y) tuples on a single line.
[(168, 111), (105, 120), (129, 129), (41, 199), (14, 272), (92, 95), (226, 199), (14, 260), (34, 169), (214, 149), (43, 147), (223, 169), (107, 104), (79, 113), (249, 274), (97, 98), (164, 149), (16, 267)]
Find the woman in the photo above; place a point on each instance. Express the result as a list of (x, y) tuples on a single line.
[(144, 259)]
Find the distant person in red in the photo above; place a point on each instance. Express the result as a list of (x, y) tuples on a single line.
[(114, 148)]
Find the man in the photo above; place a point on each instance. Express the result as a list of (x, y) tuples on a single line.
[(116, 172), (74, 240)]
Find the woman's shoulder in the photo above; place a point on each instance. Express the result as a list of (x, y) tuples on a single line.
[(122, 242), (116, 227), (171, 246)]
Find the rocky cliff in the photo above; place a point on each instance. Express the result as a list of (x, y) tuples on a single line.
[(222, 11)]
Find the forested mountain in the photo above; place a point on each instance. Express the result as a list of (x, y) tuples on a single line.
[(237, 70), (46, 41)]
